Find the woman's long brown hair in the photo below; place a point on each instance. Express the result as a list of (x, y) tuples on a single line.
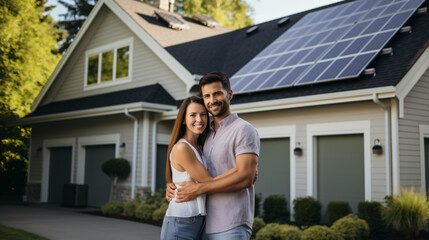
[(179, 130)]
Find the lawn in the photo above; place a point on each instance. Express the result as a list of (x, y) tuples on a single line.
[(8, 233)]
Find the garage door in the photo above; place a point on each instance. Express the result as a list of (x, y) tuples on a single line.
[(274, 168), (340, 170), (427, 164), (59, 172), (161, 158), (97, 181)]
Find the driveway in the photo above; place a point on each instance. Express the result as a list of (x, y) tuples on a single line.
[(57, 223)]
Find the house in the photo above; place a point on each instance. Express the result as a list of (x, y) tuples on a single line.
[(352, 138)]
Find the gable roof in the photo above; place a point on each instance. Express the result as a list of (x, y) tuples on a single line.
[(231, 51)]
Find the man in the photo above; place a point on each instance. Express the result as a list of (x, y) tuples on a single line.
[(232, 142)]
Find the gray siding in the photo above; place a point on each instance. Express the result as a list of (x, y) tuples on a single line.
[(147, 68), (326, 114), (416, 112)]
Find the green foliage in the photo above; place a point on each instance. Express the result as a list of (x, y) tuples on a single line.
[(230, 13), (275, 209), (130, 208), (337, 210), (320, 233), (407, 212), (113, 208), (8, 233), (288, 232), (145, 211), (269, 232), (13, 155), (27, 58), (157, 198), (116, 167), (371, 212), (258, 224), (158, 214), (307, 211), (258, 199), (351, 227)]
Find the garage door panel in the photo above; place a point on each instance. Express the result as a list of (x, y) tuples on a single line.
[(59, 172), (161, 158)]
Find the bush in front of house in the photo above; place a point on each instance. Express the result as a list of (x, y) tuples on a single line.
[(130, 208), (275, 209), (157, 198), (159, 213), (351, 227), (269, 232), (258, 198), (337, 210), (307, 211), (113, 208), (288, 232), (371, 212), (258, 224), (145, 211), (407, 212), (318, 232)]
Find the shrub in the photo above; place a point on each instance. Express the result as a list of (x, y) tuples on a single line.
[(158, 214), (275, 209), (337, 210), (157, 198), (288, 232), (116, 167), (407, 212), (130, 208), (145, 211), (258, 224), (307, 211), (269, 232), (351, 227), (112, 208), (371, 212), (258, 198), (320, 233)]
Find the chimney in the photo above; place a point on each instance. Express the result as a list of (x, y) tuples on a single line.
[(166, 5)]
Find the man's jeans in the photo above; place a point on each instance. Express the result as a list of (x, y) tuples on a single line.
[(182, 228), (242, 232)]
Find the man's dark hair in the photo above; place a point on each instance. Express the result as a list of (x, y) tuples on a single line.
[(216, 77)]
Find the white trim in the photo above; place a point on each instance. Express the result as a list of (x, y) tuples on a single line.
[(82, 142), (424, 133), (50, 143), (145, 149), (154, 153), (163, 138), (337, 128), (181, 72), (127, 42), (288, 131), (410, 79), (96, 112), (396, 177)]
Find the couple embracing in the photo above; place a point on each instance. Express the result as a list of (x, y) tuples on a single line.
[(217, 159)]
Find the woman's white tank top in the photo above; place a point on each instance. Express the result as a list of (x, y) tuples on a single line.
[(191, 208)]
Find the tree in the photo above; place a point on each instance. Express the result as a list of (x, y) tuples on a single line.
[(116, 168), (27, 58), (230, 13)]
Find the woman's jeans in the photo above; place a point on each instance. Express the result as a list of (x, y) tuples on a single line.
[(182, 228)]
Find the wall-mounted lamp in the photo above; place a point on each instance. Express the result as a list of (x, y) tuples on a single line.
[(377, 149), (122, 145), (298, 149)]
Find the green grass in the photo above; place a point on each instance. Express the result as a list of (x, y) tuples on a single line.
[(8, 233)]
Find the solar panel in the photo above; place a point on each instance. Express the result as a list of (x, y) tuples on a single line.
[(327, 45), (172, 21), (208, 21)]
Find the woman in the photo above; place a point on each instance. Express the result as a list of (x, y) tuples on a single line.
[(185, 163)]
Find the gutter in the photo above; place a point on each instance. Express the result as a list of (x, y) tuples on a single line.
[(134, 163), (154, 155), (388, 137)]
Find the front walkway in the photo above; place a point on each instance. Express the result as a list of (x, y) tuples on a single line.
[(57, 223)]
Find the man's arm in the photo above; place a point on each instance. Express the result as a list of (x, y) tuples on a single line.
[(243, 177)]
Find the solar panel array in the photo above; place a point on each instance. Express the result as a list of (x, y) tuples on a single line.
[(326, 45), (172, 21)]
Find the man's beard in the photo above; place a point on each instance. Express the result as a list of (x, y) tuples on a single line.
[(222, 111)]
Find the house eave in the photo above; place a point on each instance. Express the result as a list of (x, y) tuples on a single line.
[(97, 112)]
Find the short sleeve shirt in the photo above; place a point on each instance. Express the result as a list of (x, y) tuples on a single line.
[(234, 136)]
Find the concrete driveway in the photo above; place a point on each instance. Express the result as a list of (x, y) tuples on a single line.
[(57, 223)]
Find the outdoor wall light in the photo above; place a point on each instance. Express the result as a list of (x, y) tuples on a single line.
[(377, 149), (122, 145), (298, 149)]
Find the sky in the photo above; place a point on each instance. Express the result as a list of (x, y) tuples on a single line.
[(264, 10)]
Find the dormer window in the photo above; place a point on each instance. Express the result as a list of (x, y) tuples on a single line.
[(108, 65)]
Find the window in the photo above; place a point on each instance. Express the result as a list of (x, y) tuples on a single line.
[(108, 65)]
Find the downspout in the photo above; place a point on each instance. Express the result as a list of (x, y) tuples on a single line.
[(388, 143), (133, 172), (154, 155)]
